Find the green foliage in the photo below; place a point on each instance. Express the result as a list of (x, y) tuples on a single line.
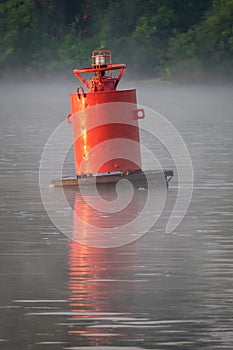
[(210, 43), (152, 37)]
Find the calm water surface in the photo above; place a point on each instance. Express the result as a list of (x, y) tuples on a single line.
[(164, 291)]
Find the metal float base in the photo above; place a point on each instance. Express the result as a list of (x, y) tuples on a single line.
[(113, 177)]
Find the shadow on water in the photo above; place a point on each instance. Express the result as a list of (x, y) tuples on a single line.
[(144, 294)]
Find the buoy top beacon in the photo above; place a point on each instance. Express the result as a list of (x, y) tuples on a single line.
[(104, 120), (102, 68)]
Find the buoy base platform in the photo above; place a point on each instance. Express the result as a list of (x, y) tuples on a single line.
[(113, 177)]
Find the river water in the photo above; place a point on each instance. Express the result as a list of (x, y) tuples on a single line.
[(163, 291)]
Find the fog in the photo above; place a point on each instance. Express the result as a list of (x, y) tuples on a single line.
[(172, 289)]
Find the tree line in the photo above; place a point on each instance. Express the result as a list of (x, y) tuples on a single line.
[(153, 37)]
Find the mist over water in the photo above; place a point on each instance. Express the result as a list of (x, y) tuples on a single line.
[(164, 291)]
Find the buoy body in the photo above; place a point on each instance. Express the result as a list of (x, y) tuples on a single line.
[(105, 121)]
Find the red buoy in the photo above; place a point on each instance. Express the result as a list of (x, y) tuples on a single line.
[(104, 114)]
